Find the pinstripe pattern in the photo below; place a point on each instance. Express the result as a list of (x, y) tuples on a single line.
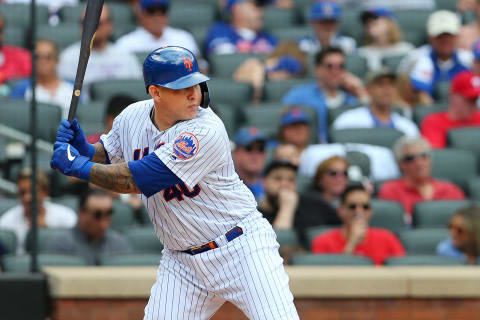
[(247, 271)]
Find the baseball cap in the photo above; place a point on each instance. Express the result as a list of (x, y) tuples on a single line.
[(246, 136), (287, 63), (376, 12), (443, 21), (466, 84), (278, 163), (144, 4), (382, 73), (476, 49), (294, 115), (325, 10)]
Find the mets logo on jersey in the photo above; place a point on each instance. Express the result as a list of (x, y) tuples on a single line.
[(185, 146)]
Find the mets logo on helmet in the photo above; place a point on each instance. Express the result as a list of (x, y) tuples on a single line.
[(185, 146), (187, 61)]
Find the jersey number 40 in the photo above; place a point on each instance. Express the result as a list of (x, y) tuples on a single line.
[(179, 191)]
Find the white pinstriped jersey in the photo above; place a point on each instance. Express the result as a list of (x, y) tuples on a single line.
[(212, 199)]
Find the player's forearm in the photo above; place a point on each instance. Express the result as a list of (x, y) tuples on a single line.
[(100, 155), (114, 177)]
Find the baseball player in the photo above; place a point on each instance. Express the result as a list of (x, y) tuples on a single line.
[(174, 151)]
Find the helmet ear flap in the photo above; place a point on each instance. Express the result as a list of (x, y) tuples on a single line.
[(205, 95)]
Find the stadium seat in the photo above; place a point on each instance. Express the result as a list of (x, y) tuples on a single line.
[(384, 137), (231, 117), (14, 36), (200, 34), (104, 90), (421, 260), (436, 214), (123, 216), (312, 232), (16, 114), (454, 165), (43, 235), (329, 260), (62, 35), (273, 91), (465, 139), (191, 16), (303, 183), (442, 92), (144, 240), (424, 240), (266, 117), (359, 160), (334, 113), (356, 65), (7, 203), (91, 116), (121, 13), (224, 65), (420, 112), (122, 29), (72, 14), (474, 188), (350, 24), (446, 5), (22, 263), (141, 56), (229, 92), (392, 62), (131, 260), (274, 17), (9, 240), (292, 33), (412, 23), (287, 237), (388, 215), (18, 14), (68, 201)]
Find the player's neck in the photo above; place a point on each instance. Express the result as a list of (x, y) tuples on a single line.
[(161, 122)]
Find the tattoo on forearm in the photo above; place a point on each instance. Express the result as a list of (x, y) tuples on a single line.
[(114, 177), (99, 156)]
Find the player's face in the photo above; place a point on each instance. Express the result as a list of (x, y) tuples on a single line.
[(331, 71), (24, 191), (96, 217), (178, 105), (297, 134), (357, 206), (335, 179), (278, 179), (416, 163)]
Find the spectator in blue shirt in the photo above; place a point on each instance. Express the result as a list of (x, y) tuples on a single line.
[(464, 241), (244, 33), (334, 88)]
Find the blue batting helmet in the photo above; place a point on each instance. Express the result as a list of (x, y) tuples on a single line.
[(174, 68)]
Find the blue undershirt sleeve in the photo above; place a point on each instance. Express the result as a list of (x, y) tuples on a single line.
[(151, 175)]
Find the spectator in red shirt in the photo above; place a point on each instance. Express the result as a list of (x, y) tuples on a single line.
[(15, 62), (464, 92), (413, 155), (356, 237)]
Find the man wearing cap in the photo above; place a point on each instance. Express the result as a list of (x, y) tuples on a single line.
[(154, 31), (249, 158), (381, 87), (324, 18), (462, 112), (443, 60), (244, 33), (295, 128)]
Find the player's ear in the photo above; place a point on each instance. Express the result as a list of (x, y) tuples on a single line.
[(154, 92)]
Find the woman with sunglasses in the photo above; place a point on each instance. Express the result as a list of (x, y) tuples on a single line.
[(331, 179), (463, 243)]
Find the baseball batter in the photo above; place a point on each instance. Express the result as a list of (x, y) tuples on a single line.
[(174, 151)]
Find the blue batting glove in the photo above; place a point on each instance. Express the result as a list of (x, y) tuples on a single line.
[(72, 133), (69, 161)]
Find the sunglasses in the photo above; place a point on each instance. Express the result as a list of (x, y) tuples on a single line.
[(154, 10), (457, 229), (331, 66), (412, 157), (353, 206), (255, 147), (334, 173), (99, 214)]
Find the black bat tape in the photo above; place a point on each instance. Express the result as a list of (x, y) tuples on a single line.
[(90, 24)]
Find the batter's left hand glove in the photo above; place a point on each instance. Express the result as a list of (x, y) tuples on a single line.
[(72, 133), (69, 161)]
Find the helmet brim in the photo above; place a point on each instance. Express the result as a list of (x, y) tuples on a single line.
[(186, 81)]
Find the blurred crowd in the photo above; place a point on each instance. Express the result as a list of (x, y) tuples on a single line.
[(355, 124)]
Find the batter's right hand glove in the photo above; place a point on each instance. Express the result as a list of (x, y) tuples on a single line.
[(73, 134)]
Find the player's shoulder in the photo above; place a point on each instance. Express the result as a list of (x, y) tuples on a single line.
[(206, 123)]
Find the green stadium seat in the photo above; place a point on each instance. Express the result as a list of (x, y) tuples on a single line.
[(303, 183), (424, 240), (144, 240), (14, 36), (392, 62), (384, 137), (16, 114), (350, 24), (360, 160), (104, 90), (420, 112), (436, 214), (273, 91), (454, 165), (22, 263), (421, 260), (388, 215), (465, 139), (9, 240), (7, 203), (312, 232), (266, 117), (123, 216), (121, 13), (292, 33), (191, 16), (334, 113), (446, 5), (72, 14), (131, 260), (91, 116), (224, 65), (141, 56), (274, 17), (229, 92), (412, 23), (329, 260), (287, 237), (356, 65), (474, 188), (18, 14), (442, 92), (230, 116), (68, 201), (123, 29), (43, 235), (200, 34), (62, 35)]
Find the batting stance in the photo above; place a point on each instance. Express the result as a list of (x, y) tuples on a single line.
[(174, 151)]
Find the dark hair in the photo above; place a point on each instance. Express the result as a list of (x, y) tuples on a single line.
[(320, 56), (278, 163), (117, 103), (91, 193), (351, 188)]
